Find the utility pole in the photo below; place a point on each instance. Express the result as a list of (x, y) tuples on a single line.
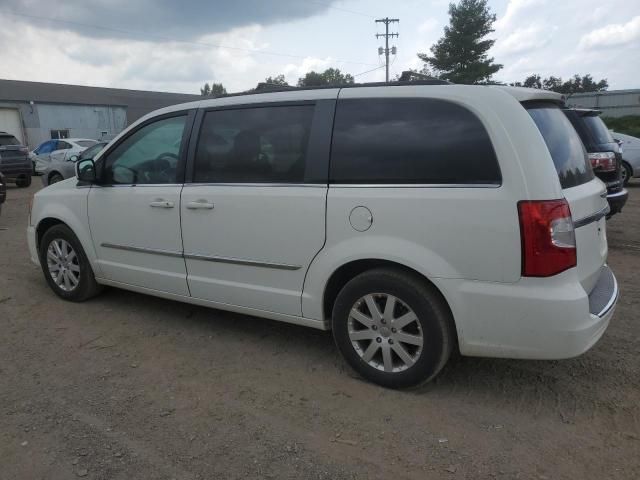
[(386, 36)]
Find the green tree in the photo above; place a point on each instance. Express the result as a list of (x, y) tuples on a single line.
[(277, 80), (460, 56), (576, 84), (331, 76), (213, 90)]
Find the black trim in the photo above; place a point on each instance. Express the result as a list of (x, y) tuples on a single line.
[(581, 222), (186, 133)]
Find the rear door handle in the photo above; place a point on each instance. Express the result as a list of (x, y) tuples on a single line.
[(160, 203), (200, 205)]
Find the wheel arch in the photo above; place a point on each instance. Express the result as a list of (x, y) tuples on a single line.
[(52, 173)]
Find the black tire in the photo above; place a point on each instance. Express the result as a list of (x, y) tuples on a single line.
[(626, 173), (23, 182), (434, 323), (55, 178), (87, 286)]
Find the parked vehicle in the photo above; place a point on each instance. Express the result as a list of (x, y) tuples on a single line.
[(14, 160), (630, 150), (58, 170), (604, 153), (59, 151), (412, 220), (3, 191)]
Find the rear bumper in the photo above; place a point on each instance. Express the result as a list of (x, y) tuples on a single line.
[(534, 318), (617, 201), (11, 173)]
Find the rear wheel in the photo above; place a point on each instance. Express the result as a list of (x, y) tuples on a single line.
[(626, 173), (24, 182), (65, 265), (55, 178), (393, 328)]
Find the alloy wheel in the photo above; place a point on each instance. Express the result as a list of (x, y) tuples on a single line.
[(385, 332), (63, 266)]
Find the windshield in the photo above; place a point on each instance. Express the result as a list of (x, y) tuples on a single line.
[(598, 129), (8, 140), (564, 144)]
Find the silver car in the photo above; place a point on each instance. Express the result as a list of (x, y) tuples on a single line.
[(630, 155), (58, 170), (58, 150)]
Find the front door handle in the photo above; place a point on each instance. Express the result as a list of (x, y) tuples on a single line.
[(160, 203), (200, 205)]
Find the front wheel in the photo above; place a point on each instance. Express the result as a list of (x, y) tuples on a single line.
[(393, 328), (55, 178), (65, 265)]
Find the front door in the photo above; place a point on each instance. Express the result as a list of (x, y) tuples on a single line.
[(135, 213), (254, 216)]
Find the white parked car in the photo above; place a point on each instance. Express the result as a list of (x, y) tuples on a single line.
[(412, 220), (630, 147), (58, 151)]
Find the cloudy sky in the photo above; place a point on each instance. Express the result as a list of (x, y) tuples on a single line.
[(176, 46)]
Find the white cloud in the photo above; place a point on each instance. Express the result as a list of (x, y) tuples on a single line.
[(612, 35), (523, 40), (515, 10), (293, 71), (428, 26)]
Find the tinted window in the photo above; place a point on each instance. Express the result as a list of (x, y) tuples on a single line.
[(254, 145), (9, 140), (598, 129), (63, 146), (410, 141), (564, 144), (86, 143), (149, 155)]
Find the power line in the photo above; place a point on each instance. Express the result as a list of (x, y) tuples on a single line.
[(386, 36), (372, 70), (167, 39)]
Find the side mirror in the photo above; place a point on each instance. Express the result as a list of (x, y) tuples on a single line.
[(73, 158), (86, 171)]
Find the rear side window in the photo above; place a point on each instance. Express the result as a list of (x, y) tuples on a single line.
[(410, 141), (254, 145), (86, 143), (598, 129), (564, 144), (9, 140)]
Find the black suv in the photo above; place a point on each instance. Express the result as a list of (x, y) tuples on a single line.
[(14, 160), (604, 153)]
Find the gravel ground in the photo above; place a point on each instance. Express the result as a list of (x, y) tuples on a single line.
[(129, 386)]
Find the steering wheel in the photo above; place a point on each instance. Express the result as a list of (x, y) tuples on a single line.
[(162, 171)]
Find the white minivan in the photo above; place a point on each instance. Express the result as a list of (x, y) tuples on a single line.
[(412, 220)]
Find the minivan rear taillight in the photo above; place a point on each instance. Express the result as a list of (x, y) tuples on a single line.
[(548, 238), (603, 161)]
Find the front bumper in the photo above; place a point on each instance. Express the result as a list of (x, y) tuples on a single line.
[(31, 242), (617, 201), (534, 318)]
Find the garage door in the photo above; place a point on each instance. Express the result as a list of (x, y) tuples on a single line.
[(10, 123)]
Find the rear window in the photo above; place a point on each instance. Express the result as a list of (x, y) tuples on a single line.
[(86, 143), (564, 144), (8, 140), (598, 129), (410, 141)]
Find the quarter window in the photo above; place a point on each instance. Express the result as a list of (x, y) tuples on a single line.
[(410, 141), (148, 156), (254, 145)]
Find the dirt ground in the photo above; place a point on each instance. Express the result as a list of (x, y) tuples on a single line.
[(127, 386)]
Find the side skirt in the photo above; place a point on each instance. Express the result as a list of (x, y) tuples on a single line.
[(305, 322)]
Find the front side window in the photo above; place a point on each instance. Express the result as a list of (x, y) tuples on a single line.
[(63, 146), (254, 145), (148, 156), (410, 141), (566, 149), (86, 143)]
